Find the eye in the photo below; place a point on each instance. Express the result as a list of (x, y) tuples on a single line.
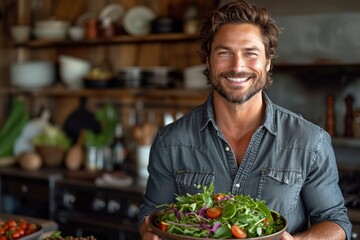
[(224, 52), (250, 54)]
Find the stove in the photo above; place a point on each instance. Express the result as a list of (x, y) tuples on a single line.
[(107, 213)]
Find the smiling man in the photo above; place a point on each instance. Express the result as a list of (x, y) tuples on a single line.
[(242, 142)]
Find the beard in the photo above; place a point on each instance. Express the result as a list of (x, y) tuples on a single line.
[(236, 98)]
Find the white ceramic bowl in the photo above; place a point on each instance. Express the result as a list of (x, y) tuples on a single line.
[(20, 33), (76, 33), (72, 70), (32, 74)]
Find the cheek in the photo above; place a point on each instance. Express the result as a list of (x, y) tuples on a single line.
[(257, 65), (221, 64)]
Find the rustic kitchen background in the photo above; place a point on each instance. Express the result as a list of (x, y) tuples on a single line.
[(156, 77)]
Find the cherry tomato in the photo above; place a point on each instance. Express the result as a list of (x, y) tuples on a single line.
[(237, 232), (266, 222), (219, 197), (163, 226), (11, 223), (15, 235), (20, 231), (214, 212), (22, 224)]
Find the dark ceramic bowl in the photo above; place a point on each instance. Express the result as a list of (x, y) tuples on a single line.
[(170, 236)]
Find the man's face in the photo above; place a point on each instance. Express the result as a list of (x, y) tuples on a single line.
[(237, 62)]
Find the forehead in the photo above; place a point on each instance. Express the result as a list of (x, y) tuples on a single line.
[(238, 35)]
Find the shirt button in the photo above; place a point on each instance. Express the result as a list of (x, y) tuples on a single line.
[(227, 148), (237, 185)]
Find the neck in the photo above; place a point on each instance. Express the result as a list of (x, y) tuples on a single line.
[(239, 119)]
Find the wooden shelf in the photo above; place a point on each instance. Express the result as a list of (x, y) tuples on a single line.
[(168, 37)]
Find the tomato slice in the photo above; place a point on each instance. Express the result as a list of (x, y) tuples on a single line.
[(266, 222), (214, 212), (237, 232), (163, 226), (219, 197)]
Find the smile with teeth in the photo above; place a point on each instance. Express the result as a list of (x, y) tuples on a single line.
[(238, 79)]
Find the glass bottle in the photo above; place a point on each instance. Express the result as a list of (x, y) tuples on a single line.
[(118, 148)]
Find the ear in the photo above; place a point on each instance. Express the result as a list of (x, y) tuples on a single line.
[(268, 64)]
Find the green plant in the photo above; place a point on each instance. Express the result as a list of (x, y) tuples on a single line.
[(52, 136), (108, 118)]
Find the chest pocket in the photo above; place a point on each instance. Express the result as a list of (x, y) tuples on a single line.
[(280, 189), (193, 182)]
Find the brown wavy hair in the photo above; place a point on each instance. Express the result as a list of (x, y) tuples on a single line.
[(239, 12)]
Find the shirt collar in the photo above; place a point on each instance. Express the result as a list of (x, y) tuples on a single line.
[(208, 115)]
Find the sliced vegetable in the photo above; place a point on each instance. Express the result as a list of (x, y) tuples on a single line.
[(219, 197), (163, 226), (237, 232), (214, 212)]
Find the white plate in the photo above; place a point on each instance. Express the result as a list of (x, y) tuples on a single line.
[(113, 11), (137, 20)]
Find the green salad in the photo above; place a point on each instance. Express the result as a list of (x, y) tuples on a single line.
[(209, 215)]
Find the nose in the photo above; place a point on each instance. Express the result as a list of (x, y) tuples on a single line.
[(238, 63)]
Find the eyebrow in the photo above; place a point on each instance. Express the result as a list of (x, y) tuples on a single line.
[(247, 49)]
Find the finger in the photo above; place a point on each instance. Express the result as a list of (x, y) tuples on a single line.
[(286, 236)]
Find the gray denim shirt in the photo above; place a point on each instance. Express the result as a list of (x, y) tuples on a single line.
[(289, 163)]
